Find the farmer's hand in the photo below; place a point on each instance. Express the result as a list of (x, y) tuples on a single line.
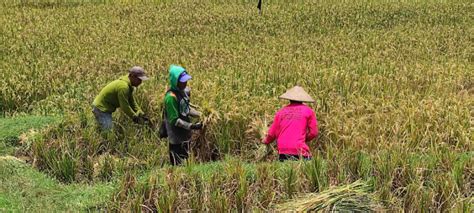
[(264, 141), (136, 119), (142, 119), (145, 119), (196, 126), (193, 112)]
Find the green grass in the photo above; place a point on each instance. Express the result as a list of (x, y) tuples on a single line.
[(24, 189), (14, 126), (11, 128)]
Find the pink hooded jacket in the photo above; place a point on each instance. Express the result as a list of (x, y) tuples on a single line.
[(293, 126)]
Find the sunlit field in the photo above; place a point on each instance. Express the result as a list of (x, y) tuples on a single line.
[(393, 83)]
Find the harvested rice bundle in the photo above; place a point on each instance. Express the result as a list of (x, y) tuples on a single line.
[(354, 197)]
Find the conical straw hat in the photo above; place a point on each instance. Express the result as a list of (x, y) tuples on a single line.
[(297, 93)]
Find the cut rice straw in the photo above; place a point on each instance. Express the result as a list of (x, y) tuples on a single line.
[(354, 197)]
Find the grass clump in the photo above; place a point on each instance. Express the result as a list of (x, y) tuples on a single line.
[(11, 129), (24, 189)]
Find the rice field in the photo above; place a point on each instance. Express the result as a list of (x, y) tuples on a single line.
[(393, 83)]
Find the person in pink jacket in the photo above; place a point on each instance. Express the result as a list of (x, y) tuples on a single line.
[(294, 126)]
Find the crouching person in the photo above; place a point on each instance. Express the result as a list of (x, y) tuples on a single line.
[(294, 126), (119, 94), (178, 114)]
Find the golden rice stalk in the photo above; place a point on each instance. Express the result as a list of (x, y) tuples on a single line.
[(202, 148), (256, 133), (351, 197)]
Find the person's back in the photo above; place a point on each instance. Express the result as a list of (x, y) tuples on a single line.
[(294, 125), (107, 100), (119, 93)]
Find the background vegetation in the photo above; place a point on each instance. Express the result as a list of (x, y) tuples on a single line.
[(393, 83)]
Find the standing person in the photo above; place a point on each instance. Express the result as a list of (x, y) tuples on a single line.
[(294, 126), (178, 114), (119, 93)]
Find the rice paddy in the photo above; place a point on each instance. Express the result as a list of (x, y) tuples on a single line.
[(393, 83)]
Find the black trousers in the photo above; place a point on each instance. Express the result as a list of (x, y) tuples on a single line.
[(284, 157), (178, 153)]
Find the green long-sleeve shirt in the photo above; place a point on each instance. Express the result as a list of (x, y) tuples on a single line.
[(172, 107), (118, 93)]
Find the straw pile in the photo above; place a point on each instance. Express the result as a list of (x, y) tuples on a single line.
[(354, 197)]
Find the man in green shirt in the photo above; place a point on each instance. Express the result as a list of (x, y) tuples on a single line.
[(119, 93)]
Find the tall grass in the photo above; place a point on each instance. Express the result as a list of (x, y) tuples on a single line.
[(393, 84)]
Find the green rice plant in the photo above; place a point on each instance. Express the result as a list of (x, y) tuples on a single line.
[(87, 170), (364, 168), (444, 193), (242, 194), (418, 198), (464, 205), (197, 198), (384, 171), (358, 166), (289, 182), (218, 202), (316, 170), (63, 166), (265, 185), (106, 168), (462, 174)]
